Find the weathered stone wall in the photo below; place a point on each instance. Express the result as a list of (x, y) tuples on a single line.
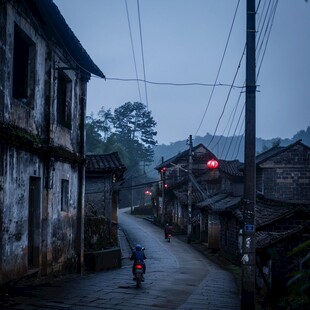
[(97, 233), (36, 151), (19, 166), (287, 176), (98, 196), (63, 224)]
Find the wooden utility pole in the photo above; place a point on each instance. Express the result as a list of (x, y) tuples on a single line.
[(249, 222), (163, 179), (189, 193)]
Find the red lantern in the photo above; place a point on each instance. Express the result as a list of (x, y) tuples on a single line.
[(212, 164)]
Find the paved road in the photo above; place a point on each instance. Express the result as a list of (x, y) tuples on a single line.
[(177, 277), (193, 281)]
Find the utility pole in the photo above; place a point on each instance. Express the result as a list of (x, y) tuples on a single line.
[(189, 193), (249, 221), (131, 206), (163, 179)]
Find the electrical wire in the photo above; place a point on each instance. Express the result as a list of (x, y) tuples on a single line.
[(133, 50), (142, 51), (228, 95), (234, 135), (219, 70), (233, 114), (268, 36), (268, 15), (173, 84)]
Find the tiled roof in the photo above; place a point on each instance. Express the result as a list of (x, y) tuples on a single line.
[(183, 196), (175, 159), (267, 213), (231, 167), (219, 202), (269, 154), (272, 152), (104, 163), (265, 239), (56, 24)]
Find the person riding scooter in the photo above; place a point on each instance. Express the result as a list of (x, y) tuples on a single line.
[(168, 230), (138, 256)]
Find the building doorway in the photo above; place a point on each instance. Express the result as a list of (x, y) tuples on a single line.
[(34, 215)]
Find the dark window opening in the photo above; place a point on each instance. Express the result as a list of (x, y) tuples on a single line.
[(64, 90), (23, 67), (64, 195)]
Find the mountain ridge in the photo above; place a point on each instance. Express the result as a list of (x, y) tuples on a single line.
[(228, 148)]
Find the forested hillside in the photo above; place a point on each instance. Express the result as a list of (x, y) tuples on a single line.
[(225, 147)]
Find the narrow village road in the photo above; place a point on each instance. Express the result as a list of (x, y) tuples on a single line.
[(177, 277)]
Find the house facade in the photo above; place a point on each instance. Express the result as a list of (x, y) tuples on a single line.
[(44, 72), (174, 186), (212, 189), (282, 214), (283, 173), (103, 174)]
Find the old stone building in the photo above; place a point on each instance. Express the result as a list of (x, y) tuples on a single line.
[(104, 172), (282, 214), (283, 173), (174, 198), (44, 72)]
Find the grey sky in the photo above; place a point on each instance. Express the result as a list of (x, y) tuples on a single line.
[(183, 42)]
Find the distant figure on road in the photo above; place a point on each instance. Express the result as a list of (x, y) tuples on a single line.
[(168, 230), (138, 256)]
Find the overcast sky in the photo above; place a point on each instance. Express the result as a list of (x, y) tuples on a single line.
[(184, 42)]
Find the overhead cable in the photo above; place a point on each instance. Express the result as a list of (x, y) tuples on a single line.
[(173, 84), (142, 51), (133, 51), (219, 70)]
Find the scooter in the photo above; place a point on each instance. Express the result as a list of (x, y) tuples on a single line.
[(138, 272), (169, 237), (138, 268)]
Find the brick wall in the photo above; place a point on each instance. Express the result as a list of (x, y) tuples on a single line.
[(286, 176)]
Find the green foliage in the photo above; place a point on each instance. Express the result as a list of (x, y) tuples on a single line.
[(94, 140), (299, 282), (134, 127), (128, 131)]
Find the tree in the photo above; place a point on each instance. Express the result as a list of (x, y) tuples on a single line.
[(129, 131), (134, 129), (94, 140)]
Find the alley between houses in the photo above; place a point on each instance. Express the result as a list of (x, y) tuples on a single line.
[(177, 277)]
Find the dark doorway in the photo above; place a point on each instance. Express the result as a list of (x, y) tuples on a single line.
[(34, 235)]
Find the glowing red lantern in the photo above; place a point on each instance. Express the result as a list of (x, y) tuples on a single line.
[(212, 164)]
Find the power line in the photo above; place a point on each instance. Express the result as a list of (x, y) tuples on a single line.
[(142, 51), (268, 15), (133, 50), (228, 95), (267, 40), (218, 72), (172, 83)]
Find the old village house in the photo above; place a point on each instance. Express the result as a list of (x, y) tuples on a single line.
[(44, 72), (282, 208), (282, 217), (104, 174)]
